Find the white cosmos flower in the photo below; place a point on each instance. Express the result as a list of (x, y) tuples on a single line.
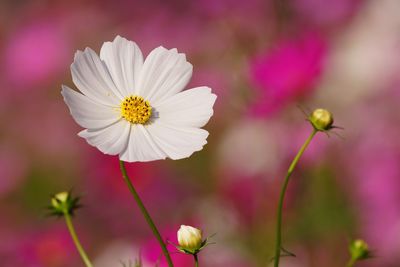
[(136, 108)]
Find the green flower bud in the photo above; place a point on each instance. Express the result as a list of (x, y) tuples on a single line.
[(59, 200), (62, 203), (321, 119), (359, 250)]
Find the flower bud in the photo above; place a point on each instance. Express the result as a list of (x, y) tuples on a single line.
[(63, 203), (359, 250), (321, 119), (59, 201), (190, 239)]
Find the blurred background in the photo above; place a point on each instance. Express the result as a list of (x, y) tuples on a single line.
[(267, 61)]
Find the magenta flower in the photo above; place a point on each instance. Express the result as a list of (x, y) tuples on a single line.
[(287, 72), (45, 248), (36, 52)]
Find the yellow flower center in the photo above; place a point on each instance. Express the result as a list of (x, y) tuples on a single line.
[(135, 109)]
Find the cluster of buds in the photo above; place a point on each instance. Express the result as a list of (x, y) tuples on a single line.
[(63, 203), (190, 240)]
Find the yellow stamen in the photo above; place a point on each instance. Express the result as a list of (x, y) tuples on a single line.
[(135, 109)]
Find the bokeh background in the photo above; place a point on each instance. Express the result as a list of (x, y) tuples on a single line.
[(267, 61)]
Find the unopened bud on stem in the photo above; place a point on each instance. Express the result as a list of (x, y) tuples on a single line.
[(359, 250), (321, 119), (189, 238), (59, 200)]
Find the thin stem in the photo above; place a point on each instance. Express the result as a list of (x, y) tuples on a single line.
[(145, 213), (196, 260), (75, 238), (351, 263), (278, 240)]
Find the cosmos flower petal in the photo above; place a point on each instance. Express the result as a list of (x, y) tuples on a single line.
[(93, 79), (86, 112), (164, 73), (111, 140), (192, 108), (124, 60), (177, 141), (141, 146)]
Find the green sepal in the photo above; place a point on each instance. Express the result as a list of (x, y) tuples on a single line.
[(204, 244), (60, 207)]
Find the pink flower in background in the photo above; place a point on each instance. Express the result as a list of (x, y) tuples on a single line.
[(36, 52), (287, 72), (44, 248)]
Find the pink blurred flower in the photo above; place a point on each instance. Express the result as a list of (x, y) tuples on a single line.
[(35, 52), (49, 248), (287, 72)]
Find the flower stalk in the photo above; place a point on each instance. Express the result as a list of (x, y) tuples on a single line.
[(322, 121), (351, 263), (75, 238), (359, 250), (278, 239), (145, 213), (196, 260)]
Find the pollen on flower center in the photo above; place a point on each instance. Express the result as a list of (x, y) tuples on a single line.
[(135, 109)]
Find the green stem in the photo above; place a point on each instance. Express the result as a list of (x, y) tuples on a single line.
[(351, 263), (278, 240), (196, 260), (75, 238), (145, 213)]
